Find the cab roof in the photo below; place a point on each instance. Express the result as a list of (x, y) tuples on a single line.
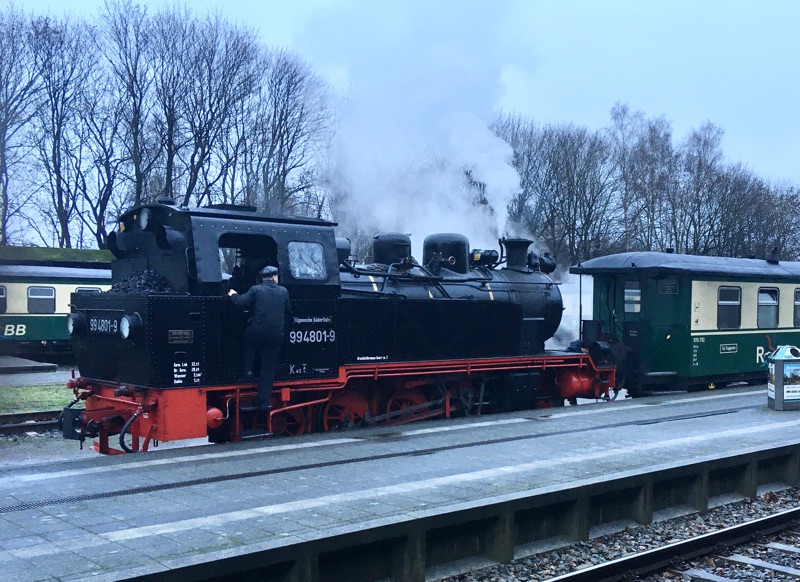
[(229, 212), (656, 263)]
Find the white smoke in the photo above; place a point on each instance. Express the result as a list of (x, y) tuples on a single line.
[(576, 293), (424, 78)]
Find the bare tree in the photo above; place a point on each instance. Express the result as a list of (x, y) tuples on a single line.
[(231, 153), (780, 212), (653, 181), (626, 127), (567, 201), (64, 58), (293, 129), (102, 116), (586, 198), (19, 87), (223, 74), (694, 206), (124, 42), (172, 43)]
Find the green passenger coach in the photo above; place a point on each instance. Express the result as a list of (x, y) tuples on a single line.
[(689, 322), (36, 284)]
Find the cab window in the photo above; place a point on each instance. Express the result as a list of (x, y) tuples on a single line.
[(243, 256), (729, 308), (307, 261), (3, 303), (633, 297), (87, 289), (767, 307), (41, 300)]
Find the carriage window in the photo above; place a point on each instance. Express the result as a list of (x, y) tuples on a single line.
[(3, 305), (307, 261), (41, 300), (729, 308), (87, 289), (767, 307), (633, 297), (797, 307)]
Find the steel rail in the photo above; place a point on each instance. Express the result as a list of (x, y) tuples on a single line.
[(22, 422)]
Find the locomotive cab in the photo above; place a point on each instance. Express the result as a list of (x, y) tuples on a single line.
[(172, 270)]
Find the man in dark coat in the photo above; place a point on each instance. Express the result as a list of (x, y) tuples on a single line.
[(269, 311)]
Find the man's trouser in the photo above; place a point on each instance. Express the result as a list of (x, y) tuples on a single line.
[(267, 344)]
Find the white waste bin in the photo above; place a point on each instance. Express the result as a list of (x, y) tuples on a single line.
[(783, 385)]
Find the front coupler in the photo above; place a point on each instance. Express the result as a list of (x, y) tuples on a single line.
[(79, 424)]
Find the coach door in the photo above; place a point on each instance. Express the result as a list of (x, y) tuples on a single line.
[(632, 313)]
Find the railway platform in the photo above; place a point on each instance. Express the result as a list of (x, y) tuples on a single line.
[(407, 502), (16, 365)]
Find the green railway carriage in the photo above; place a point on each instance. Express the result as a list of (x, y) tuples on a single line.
[(35, 288), (684, 322)]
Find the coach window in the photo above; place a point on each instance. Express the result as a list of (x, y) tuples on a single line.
[(729, 308), (87, 289), (797, 307), (633, 297), (307, 261), (41, 300), (767, 307), (3, 304)]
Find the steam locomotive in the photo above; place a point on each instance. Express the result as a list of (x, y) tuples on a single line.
[(391, 341)]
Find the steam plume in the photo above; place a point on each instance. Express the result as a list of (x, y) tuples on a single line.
[(415, 153)]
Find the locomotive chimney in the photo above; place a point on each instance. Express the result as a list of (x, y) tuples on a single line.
[(516, 252)]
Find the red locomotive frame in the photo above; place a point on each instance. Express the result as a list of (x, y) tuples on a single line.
[(387, 393)]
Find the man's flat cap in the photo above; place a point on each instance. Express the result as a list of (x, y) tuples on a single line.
[(268, 271)]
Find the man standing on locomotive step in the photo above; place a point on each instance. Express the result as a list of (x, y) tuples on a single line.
[(269, 311)]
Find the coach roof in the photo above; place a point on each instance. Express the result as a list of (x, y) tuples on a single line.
[(670, 263), (53, 274)]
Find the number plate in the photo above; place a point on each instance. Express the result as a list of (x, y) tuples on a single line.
[(107, 325)]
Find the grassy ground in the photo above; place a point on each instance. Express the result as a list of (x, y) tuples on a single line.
[(33, 398)]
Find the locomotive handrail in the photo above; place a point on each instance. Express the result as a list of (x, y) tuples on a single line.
[(429, 277), (372, 293), (438, 283)]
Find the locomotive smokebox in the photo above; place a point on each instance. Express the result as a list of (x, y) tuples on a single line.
[(516, 252), (391, 247), (452, 249)]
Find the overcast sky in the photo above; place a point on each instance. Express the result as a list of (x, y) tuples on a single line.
[(735, 63)]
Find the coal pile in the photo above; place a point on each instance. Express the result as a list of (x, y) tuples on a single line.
[(145, 281)]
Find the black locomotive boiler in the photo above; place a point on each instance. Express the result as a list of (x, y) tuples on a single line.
[(394, 340)]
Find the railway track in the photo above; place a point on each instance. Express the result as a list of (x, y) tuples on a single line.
[(22, 422), (724, 551)]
